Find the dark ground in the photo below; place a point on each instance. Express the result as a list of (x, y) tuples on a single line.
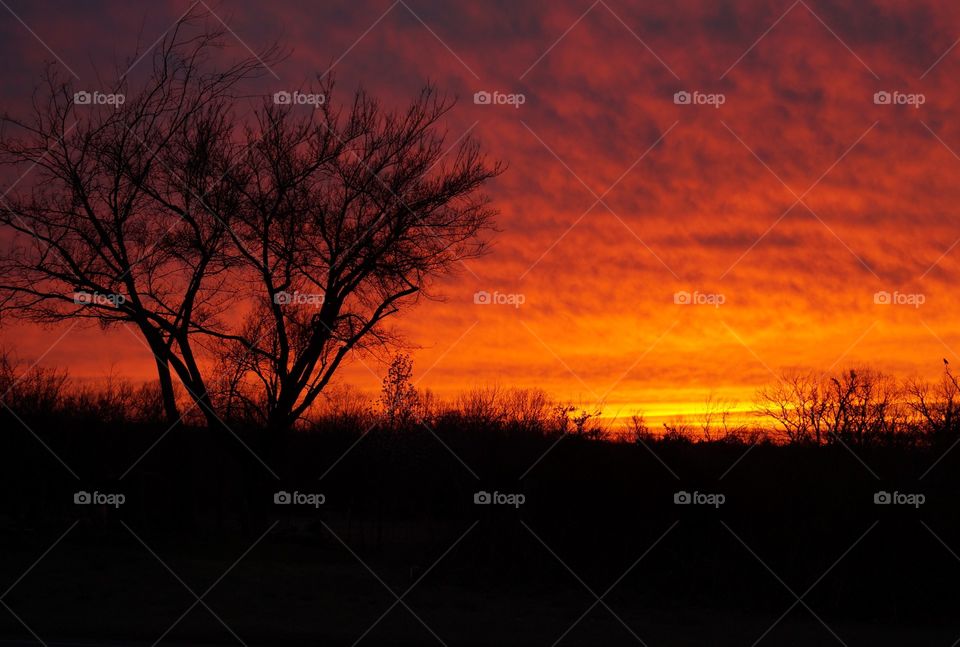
[(400, 520)]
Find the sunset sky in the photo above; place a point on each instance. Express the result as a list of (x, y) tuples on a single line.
[(785, 209)]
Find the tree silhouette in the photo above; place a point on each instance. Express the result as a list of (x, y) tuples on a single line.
[(853, 406), (346, 214), (398, 395), (122, 217), (269, 247)]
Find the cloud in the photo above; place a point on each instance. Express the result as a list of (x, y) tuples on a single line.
[(707, 208)]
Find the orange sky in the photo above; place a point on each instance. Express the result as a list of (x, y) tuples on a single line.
[(796, 200)]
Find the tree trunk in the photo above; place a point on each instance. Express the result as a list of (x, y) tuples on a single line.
[(167, 395)]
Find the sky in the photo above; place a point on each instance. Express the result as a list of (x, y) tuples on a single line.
[(698, 194)]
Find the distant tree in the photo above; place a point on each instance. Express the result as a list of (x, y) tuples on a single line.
[(937, 405), (854, 406), (677, 429), (862, 405), (561, 417), (398, 395), (577, 421), (33, 390), (797, 403), (482, 405), (714, 418), (527, 409), (344, 407), (638, 431), (585, 429)]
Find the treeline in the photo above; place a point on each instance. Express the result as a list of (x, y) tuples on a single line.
[(861, 406), (856, 407)]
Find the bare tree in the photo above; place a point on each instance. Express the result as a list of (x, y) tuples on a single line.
[(937, 405), (714, 418), (854, 406), (862, 404), (347, 213), (797, 403), (398, 395), (637, 429), (121, 218), (164, 210)]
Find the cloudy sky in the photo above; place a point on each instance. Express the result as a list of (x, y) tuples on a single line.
[(775, 196)]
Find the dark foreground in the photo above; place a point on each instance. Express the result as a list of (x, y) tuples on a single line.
[(796, 552)]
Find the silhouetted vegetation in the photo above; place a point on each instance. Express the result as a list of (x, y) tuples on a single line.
[(400, 473), (266, 248)]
